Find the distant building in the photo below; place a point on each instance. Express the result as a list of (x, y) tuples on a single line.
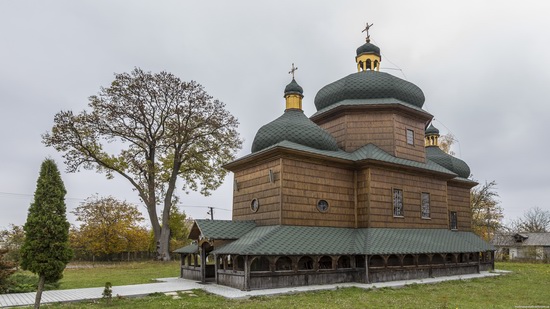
[(530, 246), (358, 192)]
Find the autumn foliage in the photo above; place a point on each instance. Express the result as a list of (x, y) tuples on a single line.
[(108, 226)]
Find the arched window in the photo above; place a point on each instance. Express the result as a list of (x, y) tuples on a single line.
[(305, 263), (325, 262), (220, 262), (408, 260), (375, 64), (450, 258), (343, 262), (376, 261), (360, 261), (368, 65), (239, 263), (438, 259), (260, 264), (423, 259), (283, 263), (393, 260)]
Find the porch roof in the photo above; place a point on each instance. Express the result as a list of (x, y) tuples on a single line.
[(220, 229), (303, 240)]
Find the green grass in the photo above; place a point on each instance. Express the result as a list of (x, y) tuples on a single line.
[(95, 275), (528, 285)]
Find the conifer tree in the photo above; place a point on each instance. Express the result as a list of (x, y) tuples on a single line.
[(46, 251)]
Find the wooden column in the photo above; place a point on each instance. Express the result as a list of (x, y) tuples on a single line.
[(216, 267), (367, 269), (203, 263), (246, 274)]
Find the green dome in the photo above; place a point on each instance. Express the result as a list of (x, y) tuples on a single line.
[(368, 48), (293, 126), (431, 130), (369, 85), (459, 167), (293, 87)]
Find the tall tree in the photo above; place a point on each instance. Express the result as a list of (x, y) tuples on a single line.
[(109, 226), (487, 214), (45, 250), (167, 130)]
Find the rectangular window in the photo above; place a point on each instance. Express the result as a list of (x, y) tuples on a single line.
[(410, 137), (454, 220), (398, 203), (425, 205)]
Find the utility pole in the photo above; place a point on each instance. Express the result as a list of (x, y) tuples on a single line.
[(211, 212)]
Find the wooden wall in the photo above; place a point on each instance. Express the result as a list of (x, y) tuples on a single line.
[(380, 201), (416, 152), (305, 183), (363, 191), (385, 129), (253, 182), (459, 201)]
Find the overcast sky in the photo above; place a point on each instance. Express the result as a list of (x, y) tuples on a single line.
[(483, 67)]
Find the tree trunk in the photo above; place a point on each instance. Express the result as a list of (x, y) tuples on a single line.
[(41, 281), (164, 249)]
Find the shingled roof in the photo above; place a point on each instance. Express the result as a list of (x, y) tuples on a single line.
[(304, 240), (220, 229)]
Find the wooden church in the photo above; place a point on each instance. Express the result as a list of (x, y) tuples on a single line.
[(358, 192)]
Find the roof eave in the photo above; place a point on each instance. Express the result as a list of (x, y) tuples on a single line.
[(330, 111)]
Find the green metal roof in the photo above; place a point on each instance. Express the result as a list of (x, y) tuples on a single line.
[(303, 240), (365, 153), (293, 87), (293, 126), (369, 85), (435, 154), (192, 248), (415, 241), (368, 48), (366, 102), (431, 130), (293, 240), (220, 229)]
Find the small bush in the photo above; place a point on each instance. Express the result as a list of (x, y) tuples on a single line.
[(21, 282)]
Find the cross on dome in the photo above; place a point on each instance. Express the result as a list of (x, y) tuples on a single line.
[(367, 27), (293, 70)]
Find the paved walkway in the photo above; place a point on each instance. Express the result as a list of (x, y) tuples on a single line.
[(177, 284)]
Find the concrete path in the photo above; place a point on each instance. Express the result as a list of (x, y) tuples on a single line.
[(177, 284)]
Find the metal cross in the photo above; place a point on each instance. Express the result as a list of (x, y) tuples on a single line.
[(293, 70), (367, 27)]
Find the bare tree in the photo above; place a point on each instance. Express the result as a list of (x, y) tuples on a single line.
[(168, 130), (534, 220), (445, 143)]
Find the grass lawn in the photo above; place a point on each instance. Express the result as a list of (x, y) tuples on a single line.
[(528, 285), (95, 275)]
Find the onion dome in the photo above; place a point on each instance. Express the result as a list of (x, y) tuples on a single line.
[(293, 88), (431, 130), (369, 85), (436, 155), (293, 126), (368, 48)]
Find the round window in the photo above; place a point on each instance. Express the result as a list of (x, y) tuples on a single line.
[(322, 206), (254, 205)]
